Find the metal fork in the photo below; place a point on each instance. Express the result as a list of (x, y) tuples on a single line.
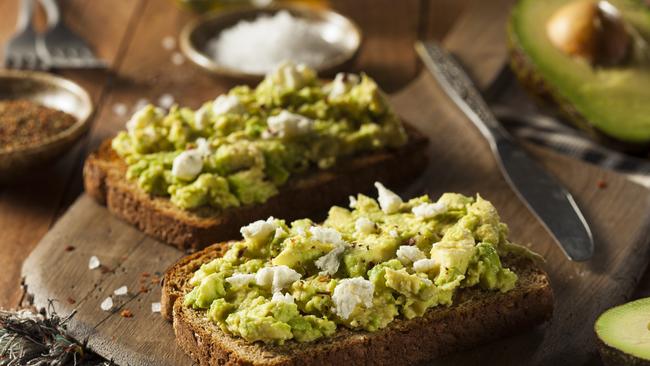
[(20, 52), (60, 47)]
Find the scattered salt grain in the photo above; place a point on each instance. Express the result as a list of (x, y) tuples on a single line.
[(119, 109), (121, 291), (261, 45), (94, 263), (178, 58), (169, 43), (166, 101), (107, 304), (155, 307)]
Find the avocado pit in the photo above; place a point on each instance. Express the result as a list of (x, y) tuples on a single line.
[(590, 30)]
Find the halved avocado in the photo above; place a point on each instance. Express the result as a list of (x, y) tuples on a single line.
[(624, 334), (612, 103)]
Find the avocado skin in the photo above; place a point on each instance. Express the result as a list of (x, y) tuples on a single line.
[(613, 357), (545, 94)]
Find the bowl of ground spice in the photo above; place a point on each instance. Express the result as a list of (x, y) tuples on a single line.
[(249, 42), (41, 116)]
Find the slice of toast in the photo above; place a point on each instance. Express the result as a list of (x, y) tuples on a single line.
[(476, 317), (308, 194)]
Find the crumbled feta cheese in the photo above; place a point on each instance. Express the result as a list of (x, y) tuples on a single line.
[(202, 117), (203, 147), (429, 210), (364, 225), (259, 230), (388, 200), (393, 233), (279, 297), (341, 84), (326, 235), (278, 277), (241, 279), (353, 202), (187, 165), (94, 263), (351, 292), (227, 104), (409, 254), (330, 262), (290, 75), (156, 307), (121, 291), (107, 304), (424, 265), (287, 124)]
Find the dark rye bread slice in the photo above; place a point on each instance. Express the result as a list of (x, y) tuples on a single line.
[(476, 317), (306, 195)]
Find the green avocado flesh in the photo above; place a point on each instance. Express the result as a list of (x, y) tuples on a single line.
[(362, 268), (240, 148), (613, 100), (626, 328)]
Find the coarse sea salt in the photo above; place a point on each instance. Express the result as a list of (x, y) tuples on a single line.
[(155, 307), (107, 304), (94, 263), (261, 45), (121, 291)]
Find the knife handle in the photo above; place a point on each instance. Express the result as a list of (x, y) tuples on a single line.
[(451, 77)]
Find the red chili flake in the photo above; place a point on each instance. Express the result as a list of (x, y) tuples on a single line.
[(602, 184), (69, 248), (144, 290), (105, 269), (71, 301), (124, 258), (126, 313), (145, 274)]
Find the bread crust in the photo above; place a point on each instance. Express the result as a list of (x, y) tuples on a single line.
[(476, 317), (305, 195)]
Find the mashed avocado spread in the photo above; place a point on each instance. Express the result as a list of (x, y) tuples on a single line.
[(363, 267), (239, 148)]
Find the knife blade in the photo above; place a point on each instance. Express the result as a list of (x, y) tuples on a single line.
[(546, 198)]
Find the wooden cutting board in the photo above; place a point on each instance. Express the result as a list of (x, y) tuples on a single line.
[(460, 161)]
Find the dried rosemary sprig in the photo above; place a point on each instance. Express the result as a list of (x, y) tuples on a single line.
[(35, 338)]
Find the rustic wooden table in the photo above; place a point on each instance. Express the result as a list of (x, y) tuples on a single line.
[(129, 35)]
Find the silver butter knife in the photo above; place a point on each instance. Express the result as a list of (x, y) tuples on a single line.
[(544, 196)]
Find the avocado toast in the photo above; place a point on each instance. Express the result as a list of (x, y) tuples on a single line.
[(292, 146), (384, 282)]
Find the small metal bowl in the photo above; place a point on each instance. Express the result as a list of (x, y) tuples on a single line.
[(335, 29), (50, 91)]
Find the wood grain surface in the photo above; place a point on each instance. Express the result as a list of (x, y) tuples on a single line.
[(460, 162)]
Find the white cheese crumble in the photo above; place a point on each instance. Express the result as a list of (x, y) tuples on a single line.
[(353, 202), (351, 292), (287, 124), (341, 84), (107, 304), (409, 254), (259, 230), (330, 262), (121, 291), (241, 279), (202, 117), (364, 225), (227, 104), (424, 265), (278, 277), (429, 210), (188, 164), (327, 235), (388, 200), (156, 307), (393, 233), (93, 262), (279, 297)]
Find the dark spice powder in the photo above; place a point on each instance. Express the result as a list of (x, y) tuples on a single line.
[(23, 122)]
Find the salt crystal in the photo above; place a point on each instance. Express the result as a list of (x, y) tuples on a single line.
[(178, 58), (121, 291), (155, 307), (141, 103), (94, 263), (261, 45), (169, 43), (107, 304), (119, 109), (166, 101)]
